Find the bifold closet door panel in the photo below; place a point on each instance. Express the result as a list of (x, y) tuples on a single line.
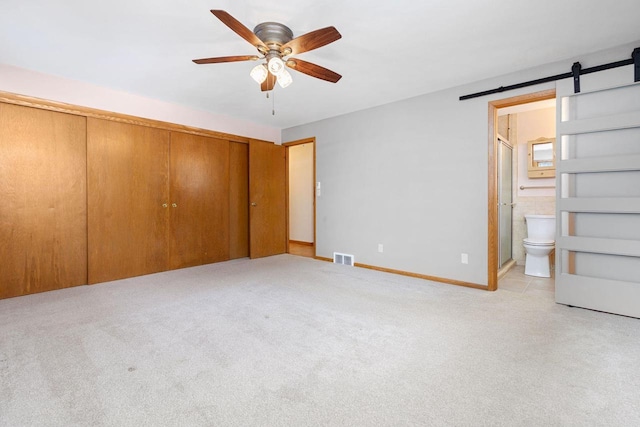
[(128, 199), (43, 228), (239, 200), (199, 189), (267, 197)]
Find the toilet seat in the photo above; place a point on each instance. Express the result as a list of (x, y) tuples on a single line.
[(530, 242)]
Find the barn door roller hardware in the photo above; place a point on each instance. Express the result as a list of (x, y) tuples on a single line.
[(636, 67), (576, 72)]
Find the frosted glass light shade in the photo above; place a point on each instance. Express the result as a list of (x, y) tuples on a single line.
[(276, 66), (284, 78), (259, 73)]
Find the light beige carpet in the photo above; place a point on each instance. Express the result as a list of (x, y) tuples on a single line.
[(291, 341)]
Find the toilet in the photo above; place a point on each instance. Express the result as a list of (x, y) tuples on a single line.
[(541, 231)]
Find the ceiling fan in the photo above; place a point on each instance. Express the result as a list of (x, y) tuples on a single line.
[(276, 44)]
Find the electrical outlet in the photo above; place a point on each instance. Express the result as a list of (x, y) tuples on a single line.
[(380, 248), (464, 258)]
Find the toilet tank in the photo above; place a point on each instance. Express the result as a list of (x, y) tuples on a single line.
[(541, 227)]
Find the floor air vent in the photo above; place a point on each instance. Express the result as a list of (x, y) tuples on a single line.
[(344, 259)]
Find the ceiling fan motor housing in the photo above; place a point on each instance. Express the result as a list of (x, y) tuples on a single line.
[(273, 34)]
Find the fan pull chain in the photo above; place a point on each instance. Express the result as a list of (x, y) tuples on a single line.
[(273, 101)]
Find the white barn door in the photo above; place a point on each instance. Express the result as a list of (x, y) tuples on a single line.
[(598, 193)]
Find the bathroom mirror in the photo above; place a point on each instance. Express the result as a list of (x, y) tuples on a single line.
[(542, 158)]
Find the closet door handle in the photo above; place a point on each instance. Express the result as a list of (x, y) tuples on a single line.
[(254, 204), (173, 205), (164, 205)]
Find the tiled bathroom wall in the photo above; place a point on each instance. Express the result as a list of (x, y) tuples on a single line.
[(528, 205)]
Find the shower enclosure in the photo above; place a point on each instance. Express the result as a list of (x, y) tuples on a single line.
[(505, 200)]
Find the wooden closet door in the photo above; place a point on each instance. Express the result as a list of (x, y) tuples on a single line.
[(267, 194), (239, 200), (43, 234), (199, 231), (128, 197)]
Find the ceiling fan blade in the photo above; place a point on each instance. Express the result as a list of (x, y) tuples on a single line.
[(312, 40), (226, 59), (313, 70), (269, 83), (238, 28)]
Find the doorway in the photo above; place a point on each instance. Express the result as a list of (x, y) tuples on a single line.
[(257, 200), (493, 200), (301, 207)]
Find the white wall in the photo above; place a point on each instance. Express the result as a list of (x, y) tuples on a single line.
[(413, 176), (301, 190), (31, 83)]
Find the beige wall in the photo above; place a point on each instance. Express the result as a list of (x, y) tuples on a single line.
[(527, 126), (301, 193)]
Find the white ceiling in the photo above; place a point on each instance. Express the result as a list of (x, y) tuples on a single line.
[(390, 50)]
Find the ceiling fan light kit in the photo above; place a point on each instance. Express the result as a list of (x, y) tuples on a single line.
[(259, 73), (275, 42), (284, 78), (275, 65)]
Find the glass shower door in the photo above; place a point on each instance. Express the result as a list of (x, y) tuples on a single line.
[(505, 200)]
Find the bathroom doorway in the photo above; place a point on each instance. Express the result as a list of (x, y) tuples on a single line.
[(498, 250), (301, 207)]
